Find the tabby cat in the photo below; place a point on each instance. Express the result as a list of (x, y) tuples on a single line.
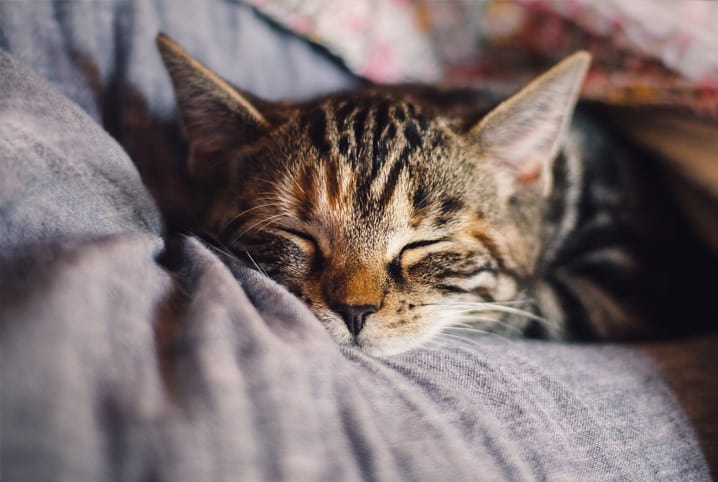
[(396, 212)]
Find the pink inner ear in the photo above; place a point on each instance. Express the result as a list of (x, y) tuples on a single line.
[(527, 176), (527, 172), (525, 132)]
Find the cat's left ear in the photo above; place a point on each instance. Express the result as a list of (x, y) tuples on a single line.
[(524, 134), (216, 116)]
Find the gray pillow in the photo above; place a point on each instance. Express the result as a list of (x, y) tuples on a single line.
[(62, 176)]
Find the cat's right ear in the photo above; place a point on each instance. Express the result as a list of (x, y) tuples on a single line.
[(215, 115), (523, 134)]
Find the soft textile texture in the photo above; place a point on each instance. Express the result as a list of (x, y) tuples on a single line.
[(123, 357)]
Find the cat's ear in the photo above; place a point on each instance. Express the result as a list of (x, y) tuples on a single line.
[(524, 134), (215, 115)]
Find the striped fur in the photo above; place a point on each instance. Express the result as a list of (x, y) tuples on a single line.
[(396, 212)]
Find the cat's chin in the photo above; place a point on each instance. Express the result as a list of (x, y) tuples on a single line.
[(383, 350), (389, 346), (380, 348)]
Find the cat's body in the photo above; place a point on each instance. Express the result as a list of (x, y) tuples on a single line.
[(396, 212)]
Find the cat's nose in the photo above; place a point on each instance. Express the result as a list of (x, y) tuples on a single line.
[(355, 316)]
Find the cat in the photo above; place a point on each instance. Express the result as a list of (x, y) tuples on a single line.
[(395, 212)]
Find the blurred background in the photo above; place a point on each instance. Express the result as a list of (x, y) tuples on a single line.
[(646, 52)]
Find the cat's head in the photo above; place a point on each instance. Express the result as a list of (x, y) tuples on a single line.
[(389, 217)]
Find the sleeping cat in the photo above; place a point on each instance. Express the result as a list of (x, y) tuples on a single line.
[(395, 212)]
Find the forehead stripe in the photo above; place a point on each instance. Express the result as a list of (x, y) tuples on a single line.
[(317, 124), (359, 126)]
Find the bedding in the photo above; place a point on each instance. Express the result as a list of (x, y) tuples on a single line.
[(645, 53), (128, 354)]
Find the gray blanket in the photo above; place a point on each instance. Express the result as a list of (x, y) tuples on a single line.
[(126, 356)]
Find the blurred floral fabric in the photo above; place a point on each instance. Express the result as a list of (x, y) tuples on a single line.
[(646, 52), (377, 39)]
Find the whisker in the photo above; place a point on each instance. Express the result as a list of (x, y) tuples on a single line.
[(473, 319), (223, 249), (433, 344), (282, 188), (469, 324), (255, 263), (481, 304), (514, 330), (271, 182), (294, 180), (262, 223), (479, 307), (234, 218), (476, 331), (466, 325), (440, 343), (466, 342)]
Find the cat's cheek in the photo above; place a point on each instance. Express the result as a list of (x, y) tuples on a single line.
[(295, 276)]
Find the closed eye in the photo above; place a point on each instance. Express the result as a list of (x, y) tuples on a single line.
[(413, 252), (420, 244), (306, 240)]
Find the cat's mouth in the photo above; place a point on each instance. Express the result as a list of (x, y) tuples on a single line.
[(381, 335)]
